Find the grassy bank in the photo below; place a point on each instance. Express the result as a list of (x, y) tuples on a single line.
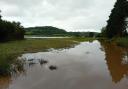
[(122, 42), (10, 50)]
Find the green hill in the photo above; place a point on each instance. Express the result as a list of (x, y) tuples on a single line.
[(44, 31), (53, 31)]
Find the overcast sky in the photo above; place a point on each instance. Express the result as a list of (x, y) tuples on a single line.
[(71, 15)]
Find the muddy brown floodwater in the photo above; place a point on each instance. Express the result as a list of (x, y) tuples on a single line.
[(89, 65)]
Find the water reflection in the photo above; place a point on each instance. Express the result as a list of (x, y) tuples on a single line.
[(117, 59), (42, 61), (4, 82), (75, 68)]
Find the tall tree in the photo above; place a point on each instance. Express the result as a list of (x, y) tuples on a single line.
[(117, 20), (10, 31)]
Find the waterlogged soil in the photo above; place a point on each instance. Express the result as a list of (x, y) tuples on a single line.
[(89, 65)]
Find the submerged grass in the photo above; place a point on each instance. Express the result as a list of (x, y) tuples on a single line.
[(10, 50), (81, 39)]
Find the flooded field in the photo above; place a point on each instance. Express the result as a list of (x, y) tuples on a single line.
[(40, 37), (89, 65)]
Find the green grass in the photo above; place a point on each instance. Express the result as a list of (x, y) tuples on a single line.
[(11, 50), (122, 42), (35, 45)]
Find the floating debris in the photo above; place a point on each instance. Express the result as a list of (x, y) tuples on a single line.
[(52, 67), (42, 61), (30, 59)]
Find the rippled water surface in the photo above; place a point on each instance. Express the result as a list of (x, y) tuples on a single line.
[(89, 65)]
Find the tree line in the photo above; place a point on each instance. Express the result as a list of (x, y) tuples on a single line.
[(10, 30), (53, 31), (117, 23)]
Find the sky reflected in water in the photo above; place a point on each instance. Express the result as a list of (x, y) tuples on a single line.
[(89, 65)]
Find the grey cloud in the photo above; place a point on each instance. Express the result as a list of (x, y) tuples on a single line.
[(71, 15), (72, 4)]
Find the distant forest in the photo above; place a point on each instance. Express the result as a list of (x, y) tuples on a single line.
[(53, 31)]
